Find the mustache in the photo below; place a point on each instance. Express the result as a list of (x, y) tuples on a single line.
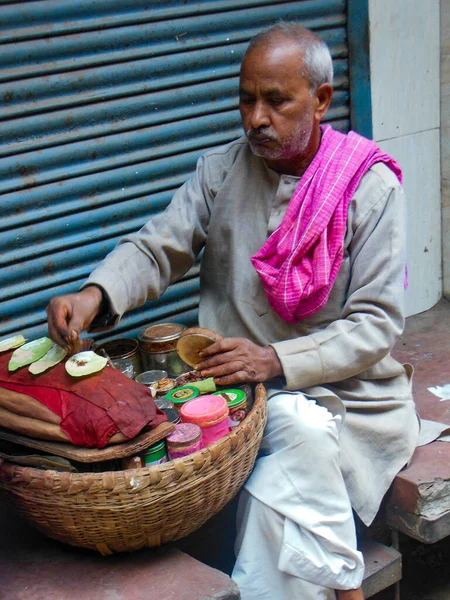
[(261, 132)]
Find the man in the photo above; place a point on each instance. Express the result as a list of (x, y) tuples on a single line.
[(302, 271)]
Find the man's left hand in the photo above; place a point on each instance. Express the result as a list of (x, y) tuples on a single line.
[(238, 360)]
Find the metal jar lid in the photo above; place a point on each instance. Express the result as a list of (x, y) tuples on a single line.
[(173, 416), (161, 337)]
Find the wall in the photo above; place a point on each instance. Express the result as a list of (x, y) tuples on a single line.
[(404, 49), (445, 141)]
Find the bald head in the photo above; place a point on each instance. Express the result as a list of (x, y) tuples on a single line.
[(316, 62)]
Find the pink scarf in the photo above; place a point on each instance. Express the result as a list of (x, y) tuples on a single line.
[(300, 261)]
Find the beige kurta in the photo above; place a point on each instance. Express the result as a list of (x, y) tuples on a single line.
[(229, 207)]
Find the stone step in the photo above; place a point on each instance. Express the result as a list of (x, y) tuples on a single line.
[(383, 567)]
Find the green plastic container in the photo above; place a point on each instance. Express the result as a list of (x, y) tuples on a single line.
[(156, 454), (237, 405), (181, 395), (233, 396)]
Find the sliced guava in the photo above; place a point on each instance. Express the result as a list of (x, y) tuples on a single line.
[(52, 358), (29, 353), (85, 363), (12, 342)]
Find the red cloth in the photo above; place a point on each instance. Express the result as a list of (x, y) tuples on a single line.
[(93, 408), (300, 261), (84, 423)]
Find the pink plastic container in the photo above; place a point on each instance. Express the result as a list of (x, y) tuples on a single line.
[(186, 438), (211, 413)]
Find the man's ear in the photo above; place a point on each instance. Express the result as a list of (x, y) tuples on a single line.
[(323, 96)]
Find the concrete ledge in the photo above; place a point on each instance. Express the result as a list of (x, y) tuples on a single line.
[(418, 503), (427, 531), (423, 489)]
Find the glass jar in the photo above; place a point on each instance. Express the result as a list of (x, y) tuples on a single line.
[(125, 366), (124, 354), (157, 345)]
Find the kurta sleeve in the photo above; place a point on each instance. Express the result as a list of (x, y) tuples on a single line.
[(372, 317), (144, 264)]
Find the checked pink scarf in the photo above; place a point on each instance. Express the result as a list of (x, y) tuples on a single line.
[(300, 261)]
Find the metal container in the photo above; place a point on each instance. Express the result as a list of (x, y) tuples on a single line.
[(124, 354), (150, 377), (157, 345)]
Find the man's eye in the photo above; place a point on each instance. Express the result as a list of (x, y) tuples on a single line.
[(277, 101), (246, 100)]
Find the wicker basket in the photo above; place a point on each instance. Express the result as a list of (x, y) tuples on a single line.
[(120, 511)]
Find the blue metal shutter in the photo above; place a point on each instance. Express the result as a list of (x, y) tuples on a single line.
[(105, 106)]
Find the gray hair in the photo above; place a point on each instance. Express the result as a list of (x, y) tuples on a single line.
[(316, 56)]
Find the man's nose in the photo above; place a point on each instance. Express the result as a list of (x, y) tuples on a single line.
[(260, 116)]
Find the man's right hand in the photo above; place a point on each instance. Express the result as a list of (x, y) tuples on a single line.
[(69, 315)]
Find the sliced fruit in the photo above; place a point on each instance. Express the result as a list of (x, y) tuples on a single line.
[(12, 342), (52, 358), (85, 363), (29, 353)]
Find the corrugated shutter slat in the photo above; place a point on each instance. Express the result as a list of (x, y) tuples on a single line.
[(104, 109)]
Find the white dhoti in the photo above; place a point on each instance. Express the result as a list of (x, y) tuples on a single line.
[(296, 533)]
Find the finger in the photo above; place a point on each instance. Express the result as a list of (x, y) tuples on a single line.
[(75, 343), (58, 329), (56, 336), (223, 369), (232, 356), (235, 378), (77, 323), (218, 347)]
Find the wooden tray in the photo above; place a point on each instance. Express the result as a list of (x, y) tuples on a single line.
[(91, 455)]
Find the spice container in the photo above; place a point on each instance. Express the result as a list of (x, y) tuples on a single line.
[(125, 366), (122, 352), (237, 405), (180, 395), (163, 386), (157, 345), (148, 378), (173, 416), (155, 455), (186, 438), (162, 402), (210, 413)]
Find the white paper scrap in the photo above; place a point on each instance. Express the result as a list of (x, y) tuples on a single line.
[(441, 391)]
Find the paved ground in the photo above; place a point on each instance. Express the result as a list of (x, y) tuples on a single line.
[(426, 572)]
